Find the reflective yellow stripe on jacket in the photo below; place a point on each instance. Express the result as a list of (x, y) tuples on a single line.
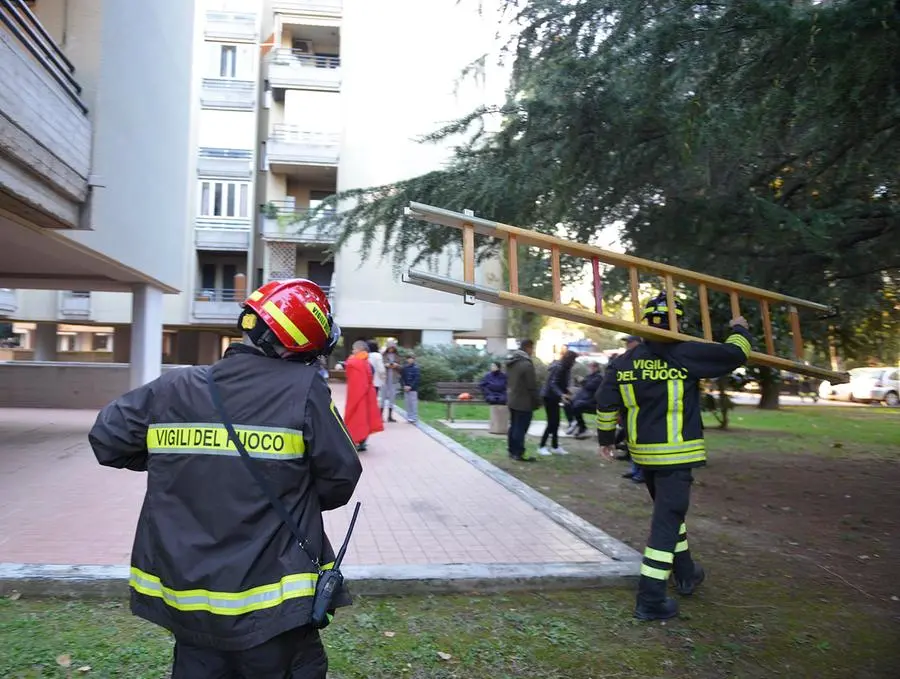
[(740, 342), (656, 454), (227, 603), (212, 439)]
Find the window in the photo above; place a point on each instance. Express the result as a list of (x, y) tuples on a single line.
[(225, 199), (228, 61), (216, 279), (208, 276), (229, 271)]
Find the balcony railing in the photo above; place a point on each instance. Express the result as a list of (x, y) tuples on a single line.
[(218, 304), (228, 94), (75, 304), (290, 144), (322, 7), (329, 290), (301, 226), (222, 233), (9, 302), (219, 162), (295, 69), (222, 25)]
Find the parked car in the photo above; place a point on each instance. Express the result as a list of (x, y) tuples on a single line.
[(870, 385)]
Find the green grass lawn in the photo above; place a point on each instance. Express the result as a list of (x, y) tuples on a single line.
[(552, 636), (431, 411)]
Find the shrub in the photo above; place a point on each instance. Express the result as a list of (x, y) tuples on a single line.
[(434, 369)]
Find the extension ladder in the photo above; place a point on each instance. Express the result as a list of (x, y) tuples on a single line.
[(515, 236)]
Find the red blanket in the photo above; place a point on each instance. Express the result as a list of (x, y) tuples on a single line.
[(361, 413)]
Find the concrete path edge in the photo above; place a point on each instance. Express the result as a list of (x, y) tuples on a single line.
[(104, 582)]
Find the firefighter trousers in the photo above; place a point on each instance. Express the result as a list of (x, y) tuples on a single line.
[(667, 547), (295, 654)]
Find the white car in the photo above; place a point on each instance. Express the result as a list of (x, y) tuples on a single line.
[(871, 385)]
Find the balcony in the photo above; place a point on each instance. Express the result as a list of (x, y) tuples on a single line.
[(230, 26), (300, 226), (9, 302), (293, 69), (225, 163), (292, 145), (222, 234), (220, 305), (228, 94), (75, 304), (46, 155), (329, 8)]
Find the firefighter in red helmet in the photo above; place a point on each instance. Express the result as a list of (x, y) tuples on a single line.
[(212, 561)]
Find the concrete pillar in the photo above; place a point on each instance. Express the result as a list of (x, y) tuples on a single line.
[(84, 341), (436, 337), (146, 335), (496, 346), (187, 347), (45, 342), (122, 344)]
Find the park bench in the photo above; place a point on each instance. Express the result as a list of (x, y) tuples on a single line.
[(448, 392)]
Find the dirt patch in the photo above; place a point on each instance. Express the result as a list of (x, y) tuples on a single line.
[(805, 523), (828, 519)]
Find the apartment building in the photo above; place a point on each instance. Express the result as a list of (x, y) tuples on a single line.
[(94, 123), (289, 102)]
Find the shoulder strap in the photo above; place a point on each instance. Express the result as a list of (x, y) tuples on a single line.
[(255, 471)]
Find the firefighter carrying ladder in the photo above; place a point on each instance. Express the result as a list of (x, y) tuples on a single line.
[(669, 275)]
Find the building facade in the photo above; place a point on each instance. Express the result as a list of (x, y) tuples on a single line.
[(96, 123), (287, 102)]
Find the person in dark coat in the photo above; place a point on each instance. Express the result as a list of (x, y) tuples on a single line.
[(493, 386), (555, 390), (584, 401)]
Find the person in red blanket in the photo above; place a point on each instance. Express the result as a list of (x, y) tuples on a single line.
[(361, 413)]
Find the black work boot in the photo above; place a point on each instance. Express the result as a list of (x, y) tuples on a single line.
[(391, 415), (658, 610), (687, 587)]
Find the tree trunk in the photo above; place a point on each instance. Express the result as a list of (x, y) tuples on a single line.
[(525, 324), (722, 384), (769, 389)]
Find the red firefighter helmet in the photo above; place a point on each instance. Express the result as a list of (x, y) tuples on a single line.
[(296, 312)]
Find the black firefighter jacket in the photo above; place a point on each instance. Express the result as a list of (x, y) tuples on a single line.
[(657, 384), (212, 561)]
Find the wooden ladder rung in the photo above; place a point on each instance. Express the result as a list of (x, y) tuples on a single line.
[(598, 286), (513, 263), (671, 304), (469, 253), (704, 312), (767, 326), (556, 274), (795, 333), (635, 293)]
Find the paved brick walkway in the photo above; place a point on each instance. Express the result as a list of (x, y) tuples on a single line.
[(422, 504)]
